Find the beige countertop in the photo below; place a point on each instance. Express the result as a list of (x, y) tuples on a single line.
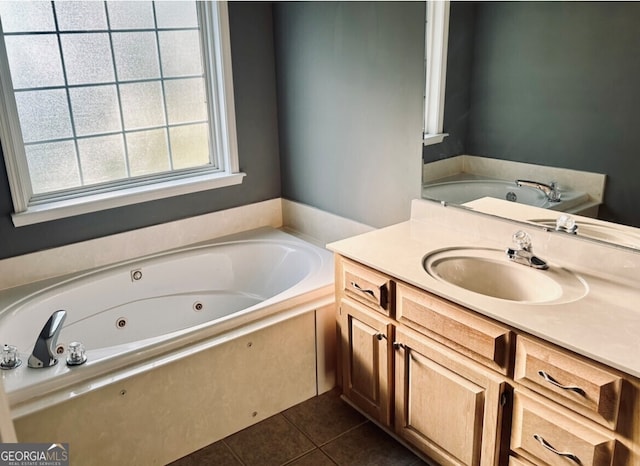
[(604, 324)]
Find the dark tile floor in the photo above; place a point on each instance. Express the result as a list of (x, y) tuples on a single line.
[(321, 431)]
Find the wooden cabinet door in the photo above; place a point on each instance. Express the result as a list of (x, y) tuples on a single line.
[(446, 406), (366, 347)]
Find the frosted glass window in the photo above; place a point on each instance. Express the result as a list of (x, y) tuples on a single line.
[(34, 61), (95, 110), (186, 100), (136, 55), (189, 146), (81, 15), (180, 52), (44, 115), (130, 15), (176, 14), (106, 91), (47, 176), (142, 105), (21, 16), (148, 152), (87, 58), (102, 159)]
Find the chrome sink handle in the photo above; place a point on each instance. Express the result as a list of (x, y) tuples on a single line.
[(549, 447), (555, 383)]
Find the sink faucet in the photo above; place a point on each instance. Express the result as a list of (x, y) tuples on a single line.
[(523, 254), (44, 351), (550, 190)]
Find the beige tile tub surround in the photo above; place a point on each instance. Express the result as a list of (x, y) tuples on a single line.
[(163, 414), (7, 432), (98, 252), (311, 224), (318, 226)]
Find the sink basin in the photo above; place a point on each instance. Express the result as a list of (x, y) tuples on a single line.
[(490, 273)]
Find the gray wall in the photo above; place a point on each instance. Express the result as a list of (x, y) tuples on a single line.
[(556, 83), (256, 112), (350, 86)]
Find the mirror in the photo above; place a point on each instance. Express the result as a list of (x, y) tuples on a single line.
[(547, 84)]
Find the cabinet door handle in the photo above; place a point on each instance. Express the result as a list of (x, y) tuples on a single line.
[(555, 383), (381, 336), (363, 290), (549, 447), (398, 346)]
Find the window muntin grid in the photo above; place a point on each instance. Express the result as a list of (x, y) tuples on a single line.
[(102, 104)]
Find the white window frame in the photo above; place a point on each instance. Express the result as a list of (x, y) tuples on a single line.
[(436, 44), (216, 45)]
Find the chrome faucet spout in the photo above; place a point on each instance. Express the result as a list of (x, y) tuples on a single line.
[(44, 351), (524, 257), (523, 252), (550, 190)]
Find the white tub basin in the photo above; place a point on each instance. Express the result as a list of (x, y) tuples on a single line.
[(490, 273), (460, 192)]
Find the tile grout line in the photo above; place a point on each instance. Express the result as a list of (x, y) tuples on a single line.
[(233, 453)]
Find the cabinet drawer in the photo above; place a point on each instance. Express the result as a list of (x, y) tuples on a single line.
[(513, 461), (480, 339), (584, 387), (366, 286), (548, 434)]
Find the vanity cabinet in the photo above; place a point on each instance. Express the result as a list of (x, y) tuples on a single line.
[(408, 373), (366, 361), (445, 405), (464, 389)]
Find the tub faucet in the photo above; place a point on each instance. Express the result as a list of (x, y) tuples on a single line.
[(523, 254), (44, 351), (550, 190)]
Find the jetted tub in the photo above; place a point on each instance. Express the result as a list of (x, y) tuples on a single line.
[(460, 192), (144, 312)]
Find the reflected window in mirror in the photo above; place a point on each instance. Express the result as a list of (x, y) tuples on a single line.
[(436, 40)]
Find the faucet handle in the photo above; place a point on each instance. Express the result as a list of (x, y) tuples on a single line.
[(522, 240), (566, 223), (9, 359)]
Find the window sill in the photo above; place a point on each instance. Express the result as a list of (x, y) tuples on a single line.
[(123, 197), (429, 139)]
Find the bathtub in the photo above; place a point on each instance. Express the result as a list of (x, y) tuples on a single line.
[(463, 191), (143, 313)]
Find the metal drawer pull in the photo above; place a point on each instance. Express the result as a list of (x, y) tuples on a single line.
[(548, 446), (554, 382), (362, 290), (381, 336)]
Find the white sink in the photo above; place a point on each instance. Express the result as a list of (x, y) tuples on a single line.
[(490, 273)]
